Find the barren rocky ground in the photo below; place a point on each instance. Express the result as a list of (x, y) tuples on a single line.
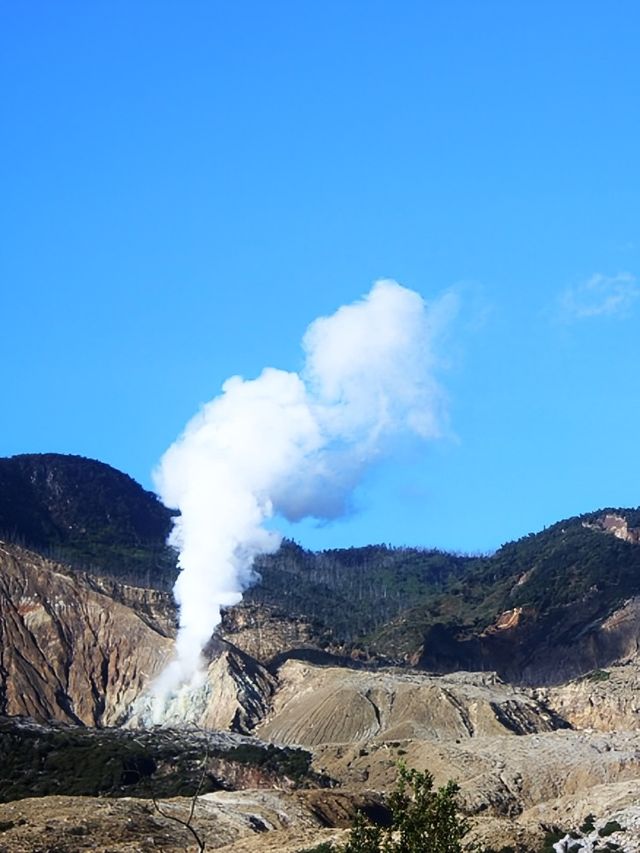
[(525, 766), (530, 761), (239, 820)]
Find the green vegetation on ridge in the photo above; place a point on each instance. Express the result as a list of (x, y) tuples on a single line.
[(388, 601), (348, 593), (87, 514)]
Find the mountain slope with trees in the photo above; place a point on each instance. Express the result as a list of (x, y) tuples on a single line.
[(537, 603), (87, 514)]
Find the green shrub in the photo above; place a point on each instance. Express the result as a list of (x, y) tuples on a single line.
[(609, 828), (423, 820), (598, 675), (551, 838), (588, 825)]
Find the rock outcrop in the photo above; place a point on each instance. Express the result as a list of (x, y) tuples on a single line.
[(617, 525), (605, 700), (79, 649), (264, 632), (328, 705), (67, 651), (233, 694)]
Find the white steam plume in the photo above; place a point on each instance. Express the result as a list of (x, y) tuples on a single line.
[(294, 445)]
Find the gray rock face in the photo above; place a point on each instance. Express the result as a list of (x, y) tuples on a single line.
[(605, 700), (79, 649), (67, 651), (232, 694), (329, 705)]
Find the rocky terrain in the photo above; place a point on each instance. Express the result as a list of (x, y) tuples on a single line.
[(524, 773), (529, 761), (253, 820), (545, 609), (79, 649), (67, 651), (516, 675), (320, 705)]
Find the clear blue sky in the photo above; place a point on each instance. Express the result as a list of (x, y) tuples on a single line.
[(186, 185)]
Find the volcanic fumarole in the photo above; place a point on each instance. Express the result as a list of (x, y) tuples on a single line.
[(292, 445)]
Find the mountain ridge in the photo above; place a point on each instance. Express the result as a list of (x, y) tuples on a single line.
[(536, 610), (351, 653), (88, 514)]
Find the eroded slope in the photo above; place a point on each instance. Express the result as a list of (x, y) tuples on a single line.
[(73, 653)]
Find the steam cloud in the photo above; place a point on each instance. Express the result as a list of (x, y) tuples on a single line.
[(293, 445)]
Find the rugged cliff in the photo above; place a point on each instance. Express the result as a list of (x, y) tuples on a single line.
[(79, 649), (552, 606), (68, 652)]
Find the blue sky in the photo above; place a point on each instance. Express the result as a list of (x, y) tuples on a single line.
[(187, 185)]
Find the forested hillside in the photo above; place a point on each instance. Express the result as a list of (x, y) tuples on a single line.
[(442, 608), (350, 592), (444, 611), (88, 514)]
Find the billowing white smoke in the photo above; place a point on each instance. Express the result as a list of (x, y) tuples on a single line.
[(291, 444)]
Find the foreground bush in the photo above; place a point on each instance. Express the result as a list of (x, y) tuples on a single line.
[(423, 820)]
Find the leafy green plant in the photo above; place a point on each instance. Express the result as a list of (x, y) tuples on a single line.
[(365, 837), (423, 820)]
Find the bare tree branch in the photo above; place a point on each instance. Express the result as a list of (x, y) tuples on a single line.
[(187, 824)]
